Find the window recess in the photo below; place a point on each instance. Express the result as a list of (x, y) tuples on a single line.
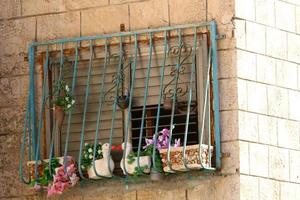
[(127, 87)]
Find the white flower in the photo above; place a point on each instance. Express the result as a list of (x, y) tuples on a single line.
[(85, 144), (85, 155), (67, 88), (67, 98), (99, 151), (90, 156), (90, 150), (69, 106), (82, 167), (73, 101)]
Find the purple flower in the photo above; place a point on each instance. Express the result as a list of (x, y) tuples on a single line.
[(177, 142)]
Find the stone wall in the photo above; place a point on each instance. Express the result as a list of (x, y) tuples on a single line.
[(268, 58)]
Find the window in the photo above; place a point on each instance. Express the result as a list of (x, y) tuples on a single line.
[(126, 86)]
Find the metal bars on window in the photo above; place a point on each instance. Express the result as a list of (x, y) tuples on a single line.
[(127, 86)]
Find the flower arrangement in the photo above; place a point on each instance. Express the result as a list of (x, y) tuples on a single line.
[(63, 179), (63, 96), (88, 155)]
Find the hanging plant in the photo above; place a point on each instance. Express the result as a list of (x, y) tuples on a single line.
[(63, 97)]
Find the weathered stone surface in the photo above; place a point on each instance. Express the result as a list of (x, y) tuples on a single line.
[(267, 129), (104, 22), (192, 10), (266, 69), (10, 8), (293, 50), (228, 94), (222, 12), (285, 12), (276, 49), (156, 14), (244, 157), (288, 134), (227, 64), (248, 126), (286, 74), (122, 1), (13, 91), (228, 188), (255, 37), (257, 97), (259, 159), (278, 163), (51, 27), (261, 6), (11, 119), (203, 191), (161, 194), (15, 36), (78, 4), (278, 102), (249, 187), (246, 65), (269, 189), (230, 164), (29, 7), (13, 65), (229, 125)]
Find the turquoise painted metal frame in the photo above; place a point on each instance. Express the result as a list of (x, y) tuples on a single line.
[(34, 129)]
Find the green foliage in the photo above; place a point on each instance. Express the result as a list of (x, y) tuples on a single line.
[(88, 153), (63, 96)]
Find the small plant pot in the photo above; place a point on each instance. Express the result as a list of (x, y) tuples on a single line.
[(102, 169), (144, 161), (192, 157), (123, 101)]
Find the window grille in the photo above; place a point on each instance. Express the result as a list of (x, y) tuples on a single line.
[(127, 87)]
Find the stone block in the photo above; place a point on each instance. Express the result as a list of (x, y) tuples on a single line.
[(277, 101), (78, 4), (249, 187), (294, 99), (122, 1), (51, 27), (10, 8), (263, 17), (202, 191), (295, 166), (13, 91), (240, 33), (266, 69), (246, 65), (244, 157), (295, 2), (11, 119), (276, 43), (228, 94), (227, 187), (257, 97), (267, 128), (255, 37), (229, 125), (221, 11), (13, 64), (226, 63), (293, 50), (285, 16), (245, 9), (242, 94), (269, 189), (278, 163), (156, 14), (298, 19), (248, 126), (99, 21), (230, 164), (288, 134), (32, 7), (161, 194), (286, 74), (258, 154), (192, 10), (289, 191), (15, 36)]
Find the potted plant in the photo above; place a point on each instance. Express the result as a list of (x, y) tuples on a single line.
[(102, 157)]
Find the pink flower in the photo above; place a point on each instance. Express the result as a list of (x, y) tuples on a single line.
[(177, 142)]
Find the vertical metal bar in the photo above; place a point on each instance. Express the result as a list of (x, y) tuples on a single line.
[(70, 111), (213, 30), (162, 76), (119, 73), (192, 79), (32, 100), (43, 98), (145, 98), (174, 98), (85, 109), (101, 102)]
